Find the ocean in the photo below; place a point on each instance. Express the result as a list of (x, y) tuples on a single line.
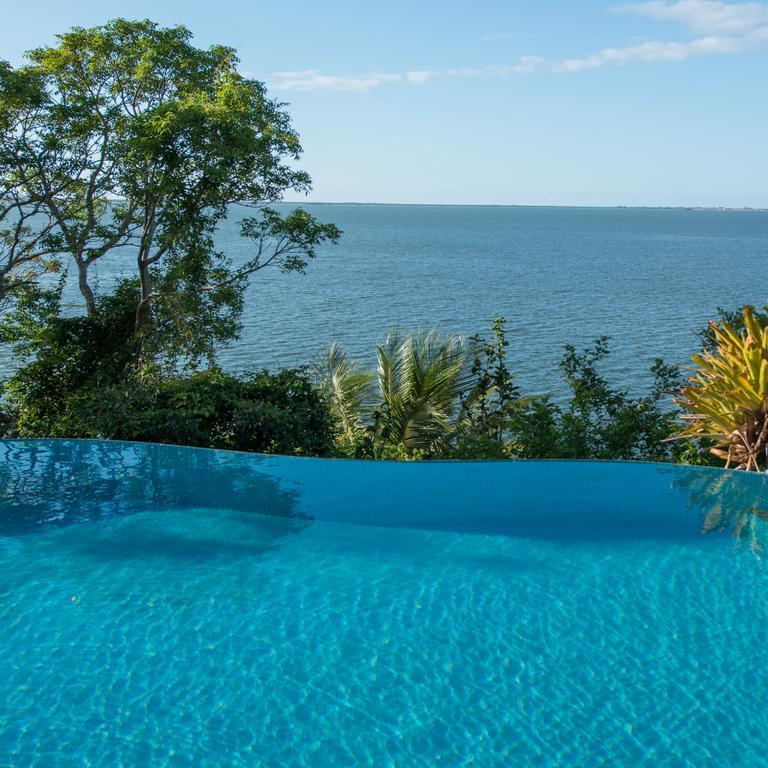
[(648, 278)]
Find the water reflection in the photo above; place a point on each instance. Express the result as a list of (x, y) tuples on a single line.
[(59, 483), (729, 502), (47, 484)]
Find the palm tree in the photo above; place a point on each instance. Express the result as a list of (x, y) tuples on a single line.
[(420, 380), (349, 390)]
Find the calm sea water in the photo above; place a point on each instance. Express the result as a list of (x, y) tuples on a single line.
[(648, 278), (165, 606)]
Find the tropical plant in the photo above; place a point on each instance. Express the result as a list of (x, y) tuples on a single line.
[(350, 393), (431, 396), (411, 406), (734, 318), (420, 378), (725, 403)]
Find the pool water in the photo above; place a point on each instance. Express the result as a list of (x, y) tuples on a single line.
[(163, 606)]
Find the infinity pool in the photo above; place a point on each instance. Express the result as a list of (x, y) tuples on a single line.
[(164, 606)]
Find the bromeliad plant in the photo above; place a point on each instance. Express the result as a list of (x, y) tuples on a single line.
[(726, 400)]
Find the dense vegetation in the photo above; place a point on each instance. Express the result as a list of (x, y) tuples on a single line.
[(431, 397), (449, 397), (126, 140)]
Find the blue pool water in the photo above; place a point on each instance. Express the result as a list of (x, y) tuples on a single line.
[(164, 606)]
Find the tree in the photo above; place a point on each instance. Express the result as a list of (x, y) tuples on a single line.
[(127, 135), (57, 150), (28, 242)]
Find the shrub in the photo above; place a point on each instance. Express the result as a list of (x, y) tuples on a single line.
[(65, 356), (726, 399), (80, 378), (271, 413), (599, 421)]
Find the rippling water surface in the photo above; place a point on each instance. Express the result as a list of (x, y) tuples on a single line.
[(172, 607), (647, 278)]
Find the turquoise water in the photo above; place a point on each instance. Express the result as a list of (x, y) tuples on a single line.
[(164, 606), (647, 278)]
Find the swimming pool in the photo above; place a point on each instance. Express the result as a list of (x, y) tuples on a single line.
[(165, 606)]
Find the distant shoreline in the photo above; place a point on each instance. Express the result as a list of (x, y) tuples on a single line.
[(692, 208)]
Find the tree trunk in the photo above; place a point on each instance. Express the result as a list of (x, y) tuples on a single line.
[(85, 289), (142, 310), (143, 260)]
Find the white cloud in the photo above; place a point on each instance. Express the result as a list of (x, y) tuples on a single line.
[(419, 76), (723, 28), (728, 28), (704, 17), (528, 64), (313, 80), (652, 51)]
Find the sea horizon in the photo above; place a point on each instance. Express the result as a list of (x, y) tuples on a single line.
[(714, 208)]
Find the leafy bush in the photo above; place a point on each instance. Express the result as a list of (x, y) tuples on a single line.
[(600, 421), (271, 413), (490, 406), (80, 378), (65, 356)]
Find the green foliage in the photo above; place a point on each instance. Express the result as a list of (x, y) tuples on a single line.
[(294, 239), (28, 240), (80, 378), (481, 413), (725, 401), (734, 318), (271, 413), (492, 402), (127, 134), (350, 395), (65, 357), (420, 380), (599, 421), (414, 406)]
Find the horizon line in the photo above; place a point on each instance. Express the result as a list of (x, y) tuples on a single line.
[(724, 208)]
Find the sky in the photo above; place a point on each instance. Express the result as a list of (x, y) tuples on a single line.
[(535, 102)]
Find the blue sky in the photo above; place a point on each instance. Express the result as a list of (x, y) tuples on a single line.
[(545, 102)]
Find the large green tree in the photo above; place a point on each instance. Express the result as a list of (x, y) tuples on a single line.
[(127, 136), (28, 243)]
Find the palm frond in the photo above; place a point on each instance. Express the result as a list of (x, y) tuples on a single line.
[(420, 379), (350, 391)]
